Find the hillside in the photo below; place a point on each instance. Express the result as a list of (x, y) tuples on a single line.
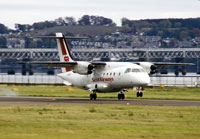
[(179, 29), (79, 30), (166, 28), (133, 33)]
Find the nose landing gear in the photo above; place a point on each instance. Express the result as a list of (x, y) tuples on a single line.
[(139, 92)]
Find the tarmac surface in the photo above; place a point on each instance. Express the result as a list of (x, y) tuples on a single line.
[(23, 100)]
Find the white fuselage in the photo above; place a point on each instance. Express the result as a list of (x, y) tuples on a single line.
[(112, 77)]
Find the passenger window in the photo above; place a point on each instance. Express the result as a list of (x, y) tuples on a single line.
[(127, 70), (114, 73), (119, 74), (107, 73), (110, 74)]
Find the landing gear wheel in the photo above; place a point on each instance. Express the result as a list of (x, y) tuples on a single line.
[(93, 96), (121, 96), (139, 94)]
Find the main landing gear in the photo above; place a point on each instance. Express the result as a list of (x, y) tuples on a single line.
[(139, 92), (93, 96), (121, 94)]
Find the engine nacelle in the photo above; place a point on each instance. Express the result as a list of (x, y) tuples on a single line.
[(149, 67), (83, 68), (99, 87)]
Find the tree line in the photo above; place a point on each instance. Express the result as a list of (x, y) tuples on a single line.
[(67, 21), (165, 28)]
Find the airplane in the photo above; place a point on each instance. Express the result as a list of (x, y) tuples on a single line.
[(100, 77)]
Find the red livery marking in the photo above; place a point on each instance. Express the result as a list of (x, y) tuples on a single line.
[(64, 52), (66, 58), (68, 69), (101, 79), (93, 80)]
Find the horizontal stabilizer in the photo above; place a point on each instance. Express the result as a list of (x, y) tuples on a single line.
[(55, 37)]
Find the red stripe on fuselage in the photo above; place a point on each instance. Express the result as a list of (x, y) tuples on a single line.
[(64, 52)]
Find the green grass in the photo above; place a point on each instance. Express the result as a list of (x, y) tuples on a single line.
[(99, 121), (149, 93)]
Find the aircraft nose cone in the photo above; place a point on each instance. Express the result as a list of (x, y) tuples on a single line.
[(144, 79)]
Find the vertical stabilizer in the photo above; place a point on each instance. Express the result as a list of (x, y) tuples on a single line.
[(63, 50)]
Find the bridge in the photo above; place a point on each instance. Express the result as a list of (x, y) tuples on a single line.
[(102, 53)]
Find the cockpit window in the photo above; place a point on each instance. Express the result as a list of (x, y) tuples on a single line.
[(142, 70), (138, 70), (135, 70), (127, 70)]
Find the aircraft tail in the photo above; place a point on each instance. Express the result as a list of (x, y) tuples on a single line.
[(63, 50), (63, 47)]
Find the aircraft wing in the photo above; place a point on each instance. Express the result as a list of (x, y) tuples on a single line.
[(60, 64), (151, 67), (98, 63), (56, 64), (80, 67), (172, 64)]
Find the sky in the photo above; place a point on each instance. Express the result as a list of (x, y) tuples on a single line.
[(31, 11)]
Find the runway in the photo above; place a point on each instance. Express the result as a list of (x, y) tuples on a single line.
[(23, 100)]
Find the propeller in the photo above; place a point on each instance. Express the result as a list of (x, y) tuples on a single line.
[(90, 68)]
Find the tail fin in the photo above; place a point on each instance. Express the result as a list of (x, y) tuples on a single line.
[(63, 50), (63, 47)]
